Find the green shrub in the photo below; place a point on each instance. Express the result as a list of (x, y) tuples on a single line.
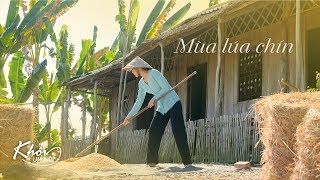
[(317, 88)]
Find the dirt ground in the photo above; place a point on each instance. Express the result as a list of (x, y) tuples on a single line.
[(140, 171)]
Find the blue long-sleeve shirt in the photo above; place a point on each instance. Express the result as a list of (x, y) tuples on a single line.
[(157, 85)]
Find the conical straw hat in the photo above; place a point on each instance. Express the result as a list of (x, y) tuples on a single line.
[(137, 62)]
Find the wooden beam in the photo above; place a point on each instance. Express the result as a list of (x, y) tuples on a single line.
[(98, 94)]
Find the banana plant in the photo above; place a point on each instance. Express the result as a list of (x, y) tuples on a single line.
[(49, 92), (39, 36), (18, 33), (22, 86), (50, 89)]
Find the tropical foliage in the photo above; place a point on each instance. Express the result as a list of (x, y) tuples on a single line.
[(317, 88), (31, 30)]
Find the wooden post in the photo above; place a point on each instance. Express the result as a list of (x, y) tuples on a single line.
[(162, 57), (66, 114), (299, 58), (285, 56), (84, 117), (219, 78), (95, 110), (123, 94), (65, 121)]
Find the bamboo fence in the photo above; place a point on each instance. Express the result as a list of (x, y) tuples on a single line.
[(226, 139)]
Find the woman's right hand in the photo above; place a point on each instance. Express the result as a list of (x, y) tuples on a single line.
[(126, 122)]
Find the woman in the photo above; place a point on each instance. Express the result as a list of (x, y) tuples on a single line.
[(169, 106)]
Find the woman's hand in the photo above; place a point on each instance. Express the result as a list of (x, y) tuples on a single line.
[(151, 103), (126, 122)]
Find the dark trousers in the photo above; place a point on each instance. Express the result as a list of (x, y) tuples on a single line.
[(156, 130)]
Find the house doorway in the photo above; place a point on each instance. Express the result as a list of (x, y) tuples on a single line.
[(197, 93), (313, 56), (197, 97)]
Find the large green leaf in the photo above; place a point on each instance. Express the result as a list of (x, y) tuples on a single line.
[(63, 7), (39, 32), (121, 17), (44, 88), (86, 45), (63, 60), (1, 29), (6, 39), (71, 54), (16, 77), (41, 132), (3, 82), (133, 15), (49, 29), (161, 19), (92, 62), (46, 29), (32, 3), (150, 21), (174, 19), (55, 139), (54, 91), (122, 40), (12, 11), (115, 44), (5, 100), (62, 46), (30, 17), (32, 82), (57, 105), (64, 72)]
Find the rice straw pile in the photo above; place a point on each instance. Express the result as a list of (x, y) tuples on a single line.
[(279, 116), (308, 147), (94, 161), (16, 124)]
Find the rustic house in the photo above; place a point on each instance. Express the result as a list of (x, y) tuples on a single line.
[(216, 101)]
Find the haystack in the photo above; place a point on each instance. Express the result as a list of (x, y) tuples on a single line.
[(279, 116), (16, 124), (94, 161), (308, 147)]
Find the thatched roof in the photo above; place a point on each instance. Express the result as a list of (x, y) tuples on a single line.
[(108, 77)]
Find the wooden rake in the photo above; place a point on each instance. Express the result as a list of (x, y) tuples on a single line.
[(132, 118)]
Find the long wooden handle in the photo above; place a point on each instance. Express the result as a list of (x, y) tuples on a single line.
[(283, 82), (133, 117)]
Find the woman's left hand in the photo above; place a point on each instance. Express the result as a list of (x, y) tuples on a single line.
[(151, 103)]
